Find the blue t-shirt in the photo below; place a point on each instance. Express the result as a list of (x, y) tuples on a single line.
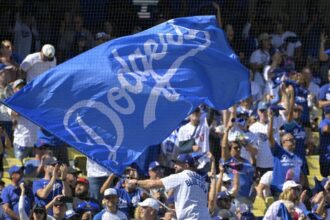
[(283, 161), (10, 194), (301, 99), (324, 137), (42, 183), (324, 92), (128, 201), (245, 177), (98, 216)]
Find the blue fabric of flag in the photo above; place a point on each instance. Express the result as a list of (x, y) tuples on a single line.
[(283, 213), (114, 100)]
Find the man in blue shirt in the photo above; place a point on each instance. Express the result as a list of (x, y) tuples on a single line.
[(52, 184), (284, 159), (10, 195), (324, 129), (296, 128)]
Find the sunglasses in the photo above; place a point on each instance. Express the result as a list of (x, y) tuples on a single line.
[(297, 110), (291, 140), (262, 110), (237, 148)]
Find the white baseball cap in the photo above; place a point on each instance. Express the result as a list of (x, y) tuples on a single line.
[(110, 192), (48, 50), (225, 177), (290, 184), (149, 202)]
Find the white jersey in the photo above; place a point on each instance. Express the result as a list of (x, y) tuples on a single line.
[(118, 216), (190, 195), (33, 65)]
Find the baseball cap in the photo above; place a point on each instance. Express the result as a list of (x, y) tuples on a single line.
[(18, 82), (50, 161), (247, 216), (184, 158), (41, 143), (101, 35), (82, 180), (224, 195), (149, 202), (263, 105), (290, 184), (153, 165), (110, 192), (48, 51), (264, 36), (71, 170), (15, 169), (70, 213), (225, 177)]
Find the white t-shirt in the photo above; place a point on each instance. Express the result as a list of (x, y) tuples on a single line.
[(33, 65), (118, 216), (265, 156), (25, 133), (260, 57), (201, 135), (95, 170), (190, 195)]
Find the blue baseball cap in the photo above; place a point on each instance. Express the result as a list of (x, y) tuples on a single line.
[(153, 165), (247, 216), (41, 143), (224, 195), (263, 105), (184, 158), (15, 169)]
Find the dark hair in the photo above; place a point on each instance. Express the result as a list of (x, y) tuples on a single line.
[(39, 207)]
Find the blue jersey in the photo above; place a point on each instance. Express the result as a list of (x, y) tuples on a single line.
[(301, 99), (42, 183), (283, 161), (324, 92), (245, 176), (128, 201), (10, 195), (324, 137)]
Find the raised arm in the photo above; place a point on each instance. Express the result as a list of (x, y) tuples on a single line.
[(217, 8), (107, 183), (212, 192), (322, 55), (270, 129)]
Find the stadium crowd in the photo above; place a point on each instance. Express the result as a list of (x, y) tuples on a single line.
[(246, 162)]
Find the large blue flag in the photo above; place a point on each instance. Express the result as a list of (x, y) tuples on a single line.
[(114, 100)]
